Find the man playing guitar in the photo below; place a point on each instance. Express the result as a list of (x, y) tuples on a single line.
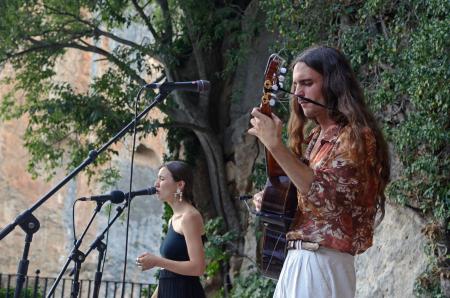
[(340, 178)]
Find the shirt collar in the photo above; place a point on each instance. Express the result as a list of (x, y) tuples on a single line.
[(331, 134)]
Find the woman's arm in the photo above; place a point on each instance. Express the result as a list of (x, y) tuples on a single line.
[(155, 293), (192, 226)]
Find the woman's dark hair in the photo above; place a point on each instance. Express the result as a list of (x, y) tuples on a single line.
[(181, 171), (343, 94)]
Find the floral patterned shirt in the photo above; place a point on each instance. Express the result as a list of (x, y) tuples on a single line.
[(339, 210)]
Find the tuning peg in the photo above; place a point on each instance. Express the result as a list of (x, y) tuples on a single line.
[(280, 84), (275, 88), (267, 84), (283, 70), (281, 78), (272, 102)]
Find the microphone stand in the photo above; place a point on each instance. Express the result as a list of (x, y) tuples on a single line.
[(30, 224), (264, 214), (78, 257), (101, 246)]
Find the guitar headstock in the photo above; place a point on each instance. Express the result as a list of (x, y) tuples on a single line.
[(273, 79)]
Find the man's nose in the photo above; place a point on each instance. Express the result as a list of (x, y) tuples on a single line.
[(299, 90)]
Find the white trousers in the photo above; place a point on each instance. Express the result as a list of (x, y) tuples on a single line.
[(325, 273)]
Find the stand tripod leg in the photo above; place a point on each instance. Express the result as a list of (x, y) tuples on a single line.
[(30, 225), (23, 266), (101, 247), (78, 258)]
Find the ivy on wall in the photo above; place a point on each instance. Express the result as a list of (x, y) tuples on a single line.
[(399, 50)]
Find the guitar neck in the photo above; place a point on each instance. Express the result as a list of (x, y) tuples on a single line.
[(270, 80), (273, 169)]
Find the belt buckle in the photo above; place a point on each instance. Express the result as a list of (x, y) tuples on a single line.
[(311, 246)]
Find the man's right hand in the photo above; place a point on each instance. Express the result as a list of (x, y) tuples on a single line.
[(257, 200)]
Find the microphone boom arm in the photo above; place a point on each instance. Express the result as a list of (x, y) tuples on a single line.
[(30, 224)]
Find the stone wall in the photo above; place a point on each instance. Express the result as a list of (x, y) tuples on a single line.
[(389, 268)]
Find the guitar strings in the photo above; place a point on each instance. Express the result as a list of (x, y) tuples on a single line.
[(273, 252)]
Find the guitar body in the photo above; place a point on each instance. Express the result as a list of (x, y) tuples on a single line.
[(273, 250), (279, 202)]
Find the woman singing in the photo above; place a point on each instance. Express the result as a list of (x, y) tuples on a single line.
[(182, 255)]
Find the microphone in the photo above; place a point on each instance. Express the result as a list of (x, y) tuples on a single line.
[(117, 196), (245, 197), (143, 192), (194, 86)]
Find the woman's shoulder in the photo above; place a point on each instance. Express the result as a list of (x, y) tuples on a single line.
[(192, 222), (192, 215)]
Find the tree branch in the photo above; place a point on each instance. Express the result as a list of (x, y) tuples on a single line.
[(96, 31), (168, 31), (40, 45), (146, 20)]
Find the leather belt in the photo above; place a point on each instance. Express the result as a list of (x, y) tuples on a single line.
[(300, 244)]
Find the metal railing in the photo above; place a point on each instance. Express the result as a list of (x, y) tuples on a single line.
[(37, 287)]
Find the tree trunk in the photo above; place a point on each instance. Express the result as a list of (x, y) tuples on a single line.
[(217, 176)]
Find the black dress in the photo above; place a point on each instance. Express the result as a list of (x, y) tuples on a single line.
[(171, 284)]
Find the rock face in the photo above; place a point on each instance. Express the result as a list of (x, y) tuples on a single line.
[(390, 267)]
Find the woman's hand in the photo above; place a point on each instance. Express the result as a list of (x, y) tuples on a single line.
[(257, 200), (192, 228), (147, 261)]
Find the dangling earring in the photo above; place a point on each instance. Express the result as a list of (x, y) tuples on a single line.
[(179, 195)]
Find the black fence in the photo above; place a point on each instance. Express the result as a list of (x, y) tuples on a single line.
[(37, 287)]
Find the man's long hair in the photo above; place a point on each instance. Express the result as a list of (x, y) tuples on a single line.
[(344, 96)]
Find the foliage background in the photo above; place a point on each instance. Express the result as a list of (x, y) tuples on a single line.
[(398, 48), (400, 52)]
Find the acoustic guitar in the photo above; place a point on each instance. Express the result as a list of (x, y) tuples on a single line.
[(279, 201)]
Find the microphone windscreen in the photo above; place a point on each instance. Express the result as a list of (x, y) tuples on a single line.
[(117, 196), (151, 190), (203, 86)]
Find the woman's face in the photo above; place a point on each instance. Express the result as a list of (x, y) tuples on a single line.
[(166, 187)]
